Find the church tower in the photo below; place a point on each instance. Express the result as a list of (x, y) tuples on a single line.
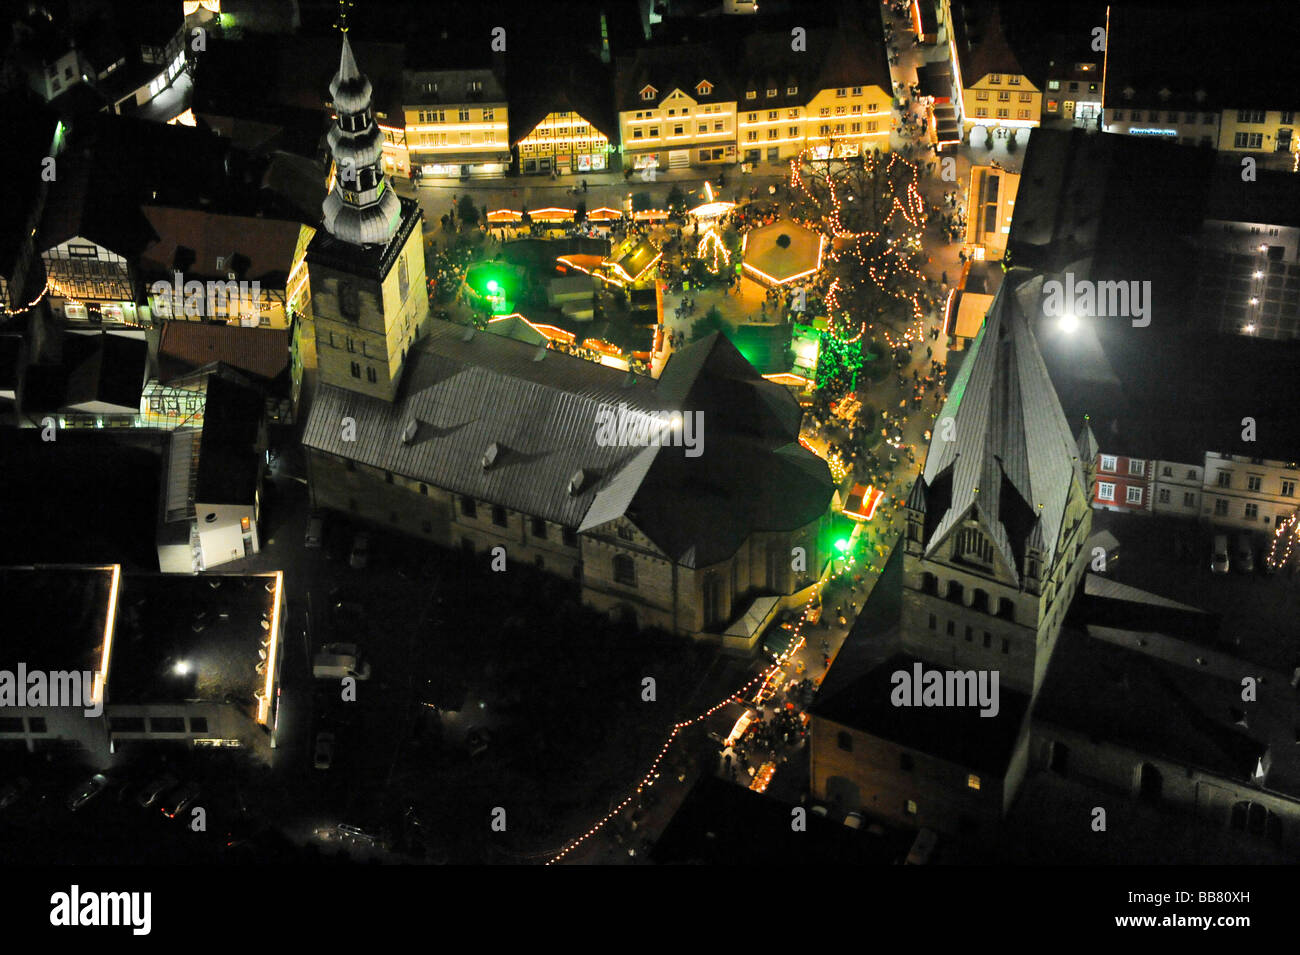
[(995, 526), (368, 290)]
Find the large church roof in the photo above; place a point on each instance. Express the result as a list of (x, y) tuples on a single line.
[(1011, 461)]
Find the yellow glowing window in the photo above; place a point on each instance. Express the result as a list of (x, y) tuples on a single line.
[(244, 524), (973, 781)]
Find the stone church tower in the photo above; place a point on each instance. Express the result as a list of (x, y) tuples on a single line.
[(368, 291), (996, 525)]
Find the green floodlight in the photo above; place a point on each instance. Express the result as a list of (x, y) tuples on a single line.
[(493, 285), (841, 545)]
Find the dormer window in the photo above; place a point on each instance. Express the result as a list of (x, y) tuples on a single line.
[(791, 90), (751, 94), (648, 93), (704, 88), (771, 91)]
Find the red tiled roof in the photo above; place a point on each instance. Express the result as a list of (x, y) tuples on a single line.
[(263, 352)]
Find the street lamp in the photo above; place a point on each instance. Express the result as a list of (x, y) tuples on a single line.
[(1069, 323)]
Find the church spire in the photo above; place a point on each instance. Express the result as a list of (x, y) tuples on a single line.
[(360, 207)]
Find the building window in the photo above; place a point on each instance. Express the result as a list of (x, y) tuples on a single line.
[(982, 94), (1220, 507), (371, 376), (951, 628), (1253, 482), (1288, 488), (791, 90), (842, 91), (1105, 491), (1252, 511), (1133, 495), (1225, 479), (844, 741), (995, 77), (1248, 140), (625, 532), (1026, 97), (1189, 499), (468, 507), (1004, 96), (751, 94), (356, 369), (1136, 467), (499, 515), (909, 807), (973, 545), (569, 536), (933, 622), (972, 782), (624, 570), (1006, 644), (539, 528), (1163, 495), (1250, 116)]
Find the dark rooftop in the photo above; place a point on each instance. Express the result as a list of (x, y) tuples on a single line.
[(718, 823), (959, 735), (1130, 699), (229, 461), (181, 638), (55, 616)]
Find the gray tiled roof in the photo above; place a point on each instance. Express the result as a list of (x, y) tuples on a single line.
[(467, 395), (1013, 460), (542, 414)]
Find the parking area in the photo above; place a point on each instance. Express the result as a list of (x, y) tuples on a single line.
[(1257, 610)]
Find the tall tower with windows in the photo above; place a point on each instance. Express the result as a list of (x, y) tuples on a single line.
[(996, 524), (368, 294)]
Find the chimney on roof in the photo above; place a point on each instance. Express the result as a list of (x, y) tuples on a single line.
[(409, 432), (490, 455), (577, 482)]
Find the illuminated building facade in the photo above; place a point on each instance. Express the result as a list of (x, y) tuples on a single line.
[(994, 88), (563, 141), (457, 124), (835, 99), (1249, 108), (676, 108)]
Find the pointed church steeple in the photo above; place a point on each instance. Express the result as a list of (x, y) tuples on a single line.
[(360, 208)]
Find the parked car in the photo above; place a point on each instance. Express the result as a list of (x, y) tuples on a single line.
[(1219, 557), (92, 787), (1245, 555), (13, 791), (180, 800), (155, 788), (360, 556), (315, 531), (923, 848), (324, 755)]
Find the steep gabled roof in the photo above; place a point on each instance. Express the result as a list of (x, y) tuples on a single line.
[(1012, 461), (667, 69)]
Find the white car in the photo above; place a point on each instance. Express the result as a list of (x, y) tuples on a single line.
[(923, 848)]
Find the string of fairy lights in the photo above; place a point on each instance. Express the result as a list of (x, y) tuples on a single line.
[(882, 258), (711, 242), (1284, 538), (797, 642)]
